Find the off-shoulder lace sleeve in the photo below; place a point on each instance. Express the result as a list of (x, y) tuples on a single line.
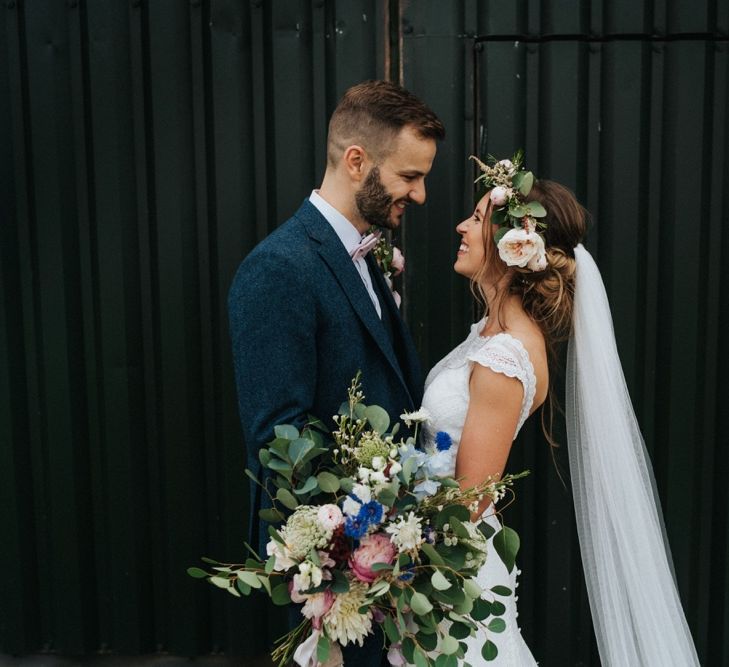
[(505, 354)]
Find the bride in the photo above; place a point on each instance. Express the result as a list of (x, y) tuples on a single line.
[(521, 249)]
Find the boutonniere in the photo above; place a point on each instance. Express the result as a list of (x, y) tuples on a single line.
[(392, 262)]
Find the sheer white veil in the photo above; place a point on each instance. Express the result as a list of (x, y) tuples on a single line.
[(636, 611)]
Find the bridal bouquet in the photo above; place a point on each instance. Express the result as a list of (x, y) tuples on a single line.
[(369, 530)]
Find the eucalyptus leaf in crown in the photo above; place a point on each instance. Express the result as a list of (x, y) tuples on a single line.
[(370, 530), (518, 238)]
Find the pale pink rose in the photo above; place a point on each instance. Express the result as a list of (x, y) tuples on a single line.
[(372, 549), (316, 606), (499, 196), (507, 164), (330, 516), (398, 261), (518, 246)]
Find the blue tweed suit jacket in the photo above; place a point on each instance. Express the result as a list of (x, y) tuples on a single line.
[(302, 325)]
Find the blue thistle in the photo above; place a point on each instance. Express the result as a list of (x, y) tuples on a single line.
[(370, 513), (443, 441), (355, 528)]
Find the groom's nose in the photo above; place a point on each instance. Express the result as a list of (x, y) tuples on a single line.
[(417, 194)]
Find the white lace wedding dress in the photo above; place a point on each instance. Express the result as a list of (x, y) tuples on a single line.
[(446, 399)]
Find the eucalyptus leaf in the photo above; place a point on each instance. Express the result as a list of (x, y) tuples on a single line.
[(339, 583), (408, 468), (378, 589), (421, 660), (464, 607), (432, 554), (379, 567), (440, 583), (420, 604), (499, 234), (408, 647), (328, 482), (481, 609), (459, 631), (506, 543), (275, 535), (489, 651), (346, 484), (497, 625), (280, 448), (309, 485), (220, 582), (535, 209), (286, 498), (386, 497), (281, 466), (472, 589), (518, 211), (271, 515), (286, 431), (322, 649), (429, 641), (378, 418), (360, 411), (298, 449), (249, 578), (280, 595), (527, 181), (270, 564), (486, 529), (393, 634), (459, 511), (243, 587), (265, 582), (448, 645), (501, 590), (264, 456), (197, 573), (498, 608)]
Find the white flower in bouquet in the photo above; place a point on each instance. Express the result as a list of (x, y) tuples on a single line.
[(309, 576), (344, 622), (416, 417), (350, 506), (330, 516), (406, 533), (303, 532), (282, 556)]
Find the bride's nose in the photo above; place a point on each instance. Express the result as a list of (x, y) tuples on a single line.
[(461, 227)]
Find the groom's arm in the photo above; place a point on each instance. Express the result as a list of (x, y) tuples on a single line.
[(272, 315)]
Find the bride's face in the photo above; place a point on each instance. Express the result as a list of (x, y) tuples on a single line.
[(471, 252)]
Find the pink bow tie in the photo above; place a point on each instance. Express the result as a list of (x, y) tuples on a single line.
[(365, 245)]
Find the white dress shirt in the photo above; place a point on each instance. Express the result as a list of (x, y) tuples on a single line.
[(350, 238)]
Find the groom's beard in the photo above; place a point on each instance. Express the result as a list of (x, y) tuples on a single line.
[(374, 202)]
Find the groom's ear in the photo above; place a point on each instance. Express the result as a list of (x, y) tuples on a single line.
[(353, 160)]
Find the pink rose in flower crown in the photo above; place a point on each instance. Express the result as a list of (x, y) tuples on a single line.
[(398, 261), (499, 196), (372, 549)]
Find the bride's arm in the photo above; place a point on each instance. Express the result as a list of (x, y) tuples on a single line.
[(493, 414)]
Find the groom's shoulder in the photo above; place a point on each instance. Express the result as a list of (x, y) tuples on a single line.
[(292, 239)]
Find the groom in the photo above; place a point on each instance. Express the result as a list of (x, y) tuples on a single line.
[(309, 306)]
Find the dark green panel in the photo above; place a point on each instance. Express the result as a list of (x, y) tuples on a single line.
[(436, 306)]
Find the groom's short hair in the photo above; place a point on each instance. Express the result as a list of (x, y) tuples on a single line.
[(372, 113)]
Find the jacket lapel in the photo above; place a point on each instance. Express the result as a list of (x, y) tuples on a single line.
[(333, 253)]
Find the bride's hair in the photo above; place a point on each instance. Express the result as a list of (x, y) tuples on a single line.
[(547, 296)]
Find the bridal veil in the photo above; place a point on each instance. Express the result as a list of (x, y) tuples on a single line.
[(636, 611)]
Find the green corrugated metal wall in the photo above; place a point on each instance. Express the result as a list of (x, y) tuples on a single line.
[(147, 146)]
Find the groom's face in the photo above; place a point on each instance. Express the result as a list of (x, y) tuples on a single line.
[(397, 181)]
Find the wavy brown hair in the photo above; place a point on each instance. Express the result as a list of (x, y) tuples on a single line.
[(547, 296)]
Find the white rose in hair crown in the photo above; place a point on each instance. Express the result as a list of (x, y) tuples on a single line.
[(519, 241)]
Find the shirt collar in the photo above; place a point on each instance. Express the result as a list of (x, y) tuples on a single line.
[(345, 230)]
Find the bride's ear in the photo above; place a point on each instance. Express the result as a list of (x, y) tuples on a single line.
[(354, 161)]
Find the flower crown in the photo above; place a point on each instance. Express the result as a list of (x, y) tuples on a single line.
[(517, 239)]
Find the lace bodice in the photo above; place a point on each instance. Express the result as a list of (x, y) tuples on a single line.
[(446, 388)]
